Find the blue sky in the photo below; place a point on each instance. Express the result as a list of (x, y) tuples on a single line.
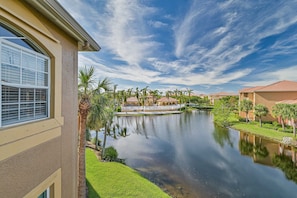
[(207, 46)]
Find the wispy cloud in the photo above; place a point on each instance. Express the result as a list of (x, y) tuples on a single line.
[(205, 43)]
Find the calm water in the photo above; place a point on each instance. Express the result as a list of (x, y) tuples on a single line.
[(187, 156)]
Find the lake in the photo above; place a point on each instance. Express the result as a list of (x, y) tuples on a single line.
[(188, 156)]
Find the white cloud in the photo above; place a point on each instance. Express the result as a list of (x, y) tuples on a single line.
[(157, 24), (210, 41), (267, 78)]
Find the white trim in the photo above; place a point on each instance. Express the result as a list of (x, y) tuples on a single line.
[(20, 85)]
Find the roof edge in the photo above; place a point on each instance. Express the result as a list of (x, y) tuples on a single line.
[(54, 11)]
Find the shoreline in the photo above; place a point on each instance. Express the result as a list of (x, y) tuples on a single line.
[(142, 113)]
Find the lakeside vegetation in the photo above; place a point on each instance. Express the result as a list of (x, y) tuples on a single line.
[(269, 132), (226, 114), (112, 179)]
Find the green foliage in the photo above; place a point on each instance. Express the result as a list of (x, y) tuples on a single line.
[(221, 135), (246, 106), (269, 133), (224, 112), (110, 154), (286, 164), (117, 180)]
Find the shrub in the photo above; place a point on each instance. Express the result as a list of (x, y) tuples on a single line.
[(111, 154)]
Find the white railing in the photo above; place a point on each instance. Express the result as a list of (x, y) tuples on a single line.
[(152, 108)]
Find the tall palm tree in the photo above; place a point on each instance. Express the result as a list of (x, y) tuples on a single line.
[(86, 88), (189, 91), (94, 120), (99, 102), (107, 118), (260, 110), (137, 95), (144, 96)]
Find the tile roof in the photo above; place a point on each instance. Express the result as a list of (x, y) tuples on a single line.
[(250, 89), (284, 85), (279, 86)]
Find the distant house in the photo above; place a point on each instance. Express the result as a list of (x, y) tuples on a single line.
[(269, 95), (132, 101), (39, 44), (216, 96), (167, 101)]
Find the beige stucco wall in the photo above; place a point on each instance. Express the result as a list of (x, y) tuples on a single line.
[(42, 154), (270, 98)]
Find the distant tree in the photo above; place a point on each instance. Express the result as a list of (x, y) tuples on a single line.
[(260, 110), (222, 112), (246, 106)]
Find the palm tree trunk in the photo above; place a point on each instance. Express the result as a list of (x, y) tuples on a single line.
[(104, 142), (294, 127), (84, 107), (96, 141), (283, 123)]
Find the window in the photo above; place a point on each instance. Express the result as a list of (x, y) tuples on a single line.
[(45, 194), (24, 84), (245, 95)]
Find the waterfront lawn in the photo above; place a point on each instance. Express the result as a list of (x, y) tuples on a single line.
[(256, 129), (112, 179)]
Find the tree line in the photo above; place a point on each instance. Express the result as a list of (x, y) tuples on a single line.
[(226, 110)]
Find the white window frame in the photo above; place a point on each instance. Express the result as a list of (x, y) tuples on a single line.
[(21, 85)]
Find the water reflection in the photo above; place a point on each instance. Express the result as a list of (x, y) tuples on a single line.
[(270, 153), (190, 157)]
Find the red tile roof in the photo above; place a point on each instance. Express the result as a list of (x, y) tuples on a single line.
[(250, 89), (279, 86), (284, 85)]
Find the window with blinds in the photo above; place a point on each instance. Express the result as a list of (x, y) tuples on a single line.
[(24, 84)]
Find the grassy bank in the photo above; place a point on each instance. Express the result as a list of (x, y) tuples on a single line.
[(111, 179), (266, 132)]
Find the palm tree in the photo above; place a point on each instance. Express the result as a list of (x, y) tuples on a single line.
[(277, 111), (246, 106), (137, 95), (85, 87), (293, 116), (94, 118), (189, 91), (260, 110), (107, 118), (99, 102), (144, 95)]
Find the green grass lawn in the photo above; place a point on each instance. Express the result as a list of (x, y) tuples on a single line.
[(111, 179), (256, 129)]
